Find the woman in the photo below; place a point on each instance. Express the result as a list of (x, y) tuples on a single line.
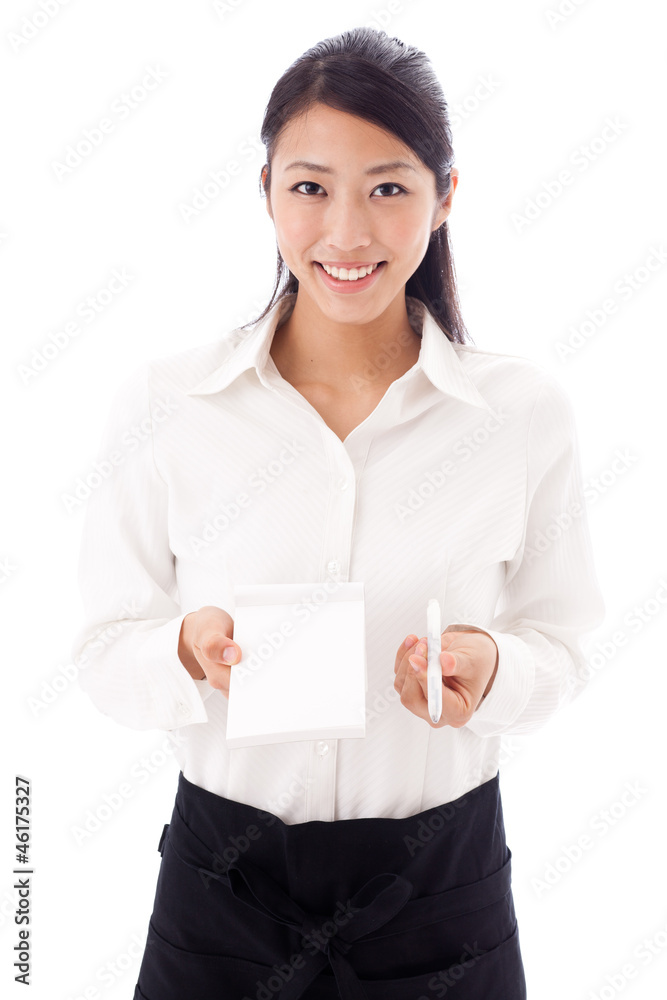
[(352, 432)]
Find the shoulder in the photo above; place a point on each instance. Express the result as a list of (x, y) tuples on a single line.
[(180, 371), (514, 380), (184, 369)]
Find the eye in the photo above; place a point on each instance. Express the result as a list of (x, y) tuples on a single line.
[(313, 184), (390, 185), (302, 184)]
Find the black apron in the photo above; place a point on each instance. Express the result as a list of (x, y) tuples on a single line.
[(248, 907)]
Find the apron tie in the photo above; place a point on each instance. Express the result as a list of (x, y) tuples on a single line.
[(378, 900), (328, 937)]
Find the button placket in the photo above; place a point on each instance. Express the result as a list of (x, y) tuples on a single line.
[(336, 548), (337, 539), (321, 780)]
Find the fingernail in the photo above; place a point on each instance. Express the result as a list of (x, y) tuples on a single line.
[(229, 654), (409, 642), (414, 665)]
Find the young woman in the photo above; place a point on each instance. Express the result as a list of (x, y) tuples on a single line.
[(351, 433)]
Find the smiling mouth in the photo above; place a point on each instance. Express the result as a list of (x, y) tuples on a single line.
[(360, 272)]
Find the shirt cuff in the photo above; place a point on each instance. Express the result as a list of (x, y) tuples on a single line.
[(179, 695), (511, 687)]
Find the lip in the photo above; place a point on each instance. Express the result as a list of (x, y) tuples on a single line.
[(349, 264), (349, 287)]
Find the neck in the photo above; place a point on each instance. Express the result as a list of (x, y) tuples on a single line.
[(311, 347)]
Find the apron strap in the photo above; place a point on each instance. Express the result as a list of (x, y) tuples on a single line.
[(160, 846)]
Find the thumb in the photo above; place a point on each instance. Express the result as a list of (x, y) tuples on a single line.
[(448, 662), (218, 646)]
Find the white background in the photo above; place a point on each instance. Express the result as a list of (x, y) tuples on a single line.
[(554, 83)]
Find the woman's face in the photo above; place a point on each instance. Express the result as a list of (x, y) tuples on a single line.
[(347, 215)]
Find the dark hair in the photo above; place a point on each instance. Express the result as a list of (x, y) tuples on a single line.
[(366, 73)]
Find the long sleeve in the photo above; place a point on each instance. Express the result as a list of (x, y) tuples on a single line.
[(551, 598), (127, 646)]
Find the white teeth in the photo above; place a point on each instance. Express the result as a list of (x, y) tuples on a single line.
[(355, 272)]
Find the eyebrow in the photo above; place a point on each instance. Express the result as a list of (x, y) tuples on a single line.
[(381, 168)]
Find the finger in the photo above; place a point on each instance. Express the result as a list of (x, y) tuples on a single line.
[(414, 697), (405, 645), (210, 654), (456, 699), (418, 656), (456, 705), (457, 691), (448, 662), (220, 649), (404, 666)]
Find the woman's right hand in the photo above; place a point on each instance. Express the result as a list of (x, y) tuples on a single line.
[(206, 647)]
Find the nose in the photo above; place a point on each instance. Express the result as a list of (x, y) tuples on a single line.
[(346, 224)]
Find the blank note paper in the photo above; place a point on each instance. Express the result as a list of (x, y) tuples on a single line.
[(303, 673)]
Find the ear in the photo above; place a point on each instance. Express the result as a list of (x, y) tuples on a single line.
[(445, 206), (268, 199)]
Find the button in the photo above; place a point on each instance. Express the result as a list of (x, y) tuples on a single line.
[(342, 484), (322, 748), (333, 566), (183, 709)]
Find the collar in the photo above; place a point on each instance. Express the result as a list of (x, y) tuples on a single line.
[(438, 357)]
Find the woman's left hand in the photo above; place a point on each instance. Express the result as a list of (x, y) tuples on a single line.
[(469, 661)]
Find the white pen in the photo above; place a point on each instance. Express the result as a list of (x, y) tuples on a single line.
[(434, 672)]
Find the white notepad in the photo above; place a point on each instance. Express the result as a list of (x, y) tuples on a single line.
[(303, 673)]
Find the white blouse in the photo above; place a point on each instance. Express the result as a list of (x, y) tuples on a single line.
[(463, 484)]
